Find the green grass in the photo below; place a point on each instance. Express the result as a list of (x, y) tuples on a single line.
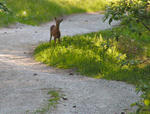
[(89, 55), (35, 12), (99, 55), (52, 102)]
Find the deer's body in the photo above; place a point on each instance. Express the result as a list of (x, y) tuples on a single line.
[(54, 31)]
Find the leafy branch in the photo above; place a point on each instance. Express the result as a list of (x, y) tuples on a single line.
[(128, 11), (3, 7)]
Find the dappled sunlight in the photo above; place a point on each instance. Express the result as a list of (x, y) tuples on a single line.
[(92, 56), (24, 13), (40, 11), (16, 60), (19, 60)]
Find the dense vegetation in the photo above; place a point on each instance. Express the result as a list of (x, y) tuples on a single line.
[(129, 12), (35, 12)]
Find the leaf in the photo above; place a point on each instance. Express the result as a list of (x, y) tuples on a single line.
[(133, 104), (110, 20)]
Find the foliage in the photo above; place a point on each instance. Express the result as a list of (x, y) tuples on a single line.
[(35, 12), (90, 56), (134, 41), (128, 11), (3, 7), (144, 103)]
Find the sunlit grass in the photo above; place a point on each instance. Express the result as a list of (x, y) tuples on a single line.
[(91, 56), (35, 12), (99, 55)]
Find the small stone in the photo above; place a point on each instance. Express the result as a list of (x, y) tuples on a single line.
[(70, 73), (24, 52), (74, 106), (35, 31), (35, 74), (64, 98)]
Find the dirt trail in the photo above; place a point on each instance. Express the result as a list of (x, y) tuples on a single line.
[(21, 90)]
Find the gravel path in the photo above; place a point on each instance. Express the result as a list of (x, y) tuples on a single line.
[(24, 83)]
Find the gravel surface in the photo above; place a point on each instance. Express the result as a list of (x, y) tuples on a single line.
[(24, 83)]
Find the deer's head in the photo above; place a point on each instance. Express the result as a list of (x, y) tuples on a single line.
[(58, 21)]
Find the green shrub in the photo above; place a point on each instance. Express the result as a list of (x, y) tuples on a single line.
[(129, 11), (144, 103)]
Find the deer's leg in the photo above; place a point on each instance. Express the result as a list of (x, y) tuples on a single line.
[(50, 38)]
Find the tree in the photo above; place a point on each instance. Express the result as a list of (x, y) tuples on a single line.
[(128, 11)]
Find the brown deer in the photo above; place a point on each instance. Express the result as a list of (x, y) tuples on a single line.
[(54, 30)]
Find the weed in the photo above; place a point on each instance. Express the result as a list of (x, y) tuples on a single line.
[(52, 102)]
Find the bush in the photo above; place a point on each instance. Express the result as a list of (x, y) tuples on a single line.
[(129, 11), (144, 103)]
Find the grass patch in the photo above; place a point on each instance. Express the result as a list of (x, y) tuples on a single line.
[(35, 12), (99, 55), (55, 97), (92, 56)]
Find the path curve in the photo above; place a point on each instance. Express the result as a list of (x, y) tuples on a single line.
[(22, 90)]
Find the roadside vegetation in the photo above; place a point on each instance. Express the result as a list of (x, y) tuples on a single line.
[(35, 12), (99, 55), (121, 53), (54, 98)]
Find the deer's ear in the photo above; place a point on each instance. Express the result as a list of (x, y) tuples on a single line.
[(55, 19)]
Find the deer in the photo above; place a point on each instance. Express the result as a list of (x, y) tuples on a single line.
[(55, 31)]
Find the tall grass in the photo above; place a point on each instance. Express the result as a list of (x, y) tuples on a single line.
[(35, 12)]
